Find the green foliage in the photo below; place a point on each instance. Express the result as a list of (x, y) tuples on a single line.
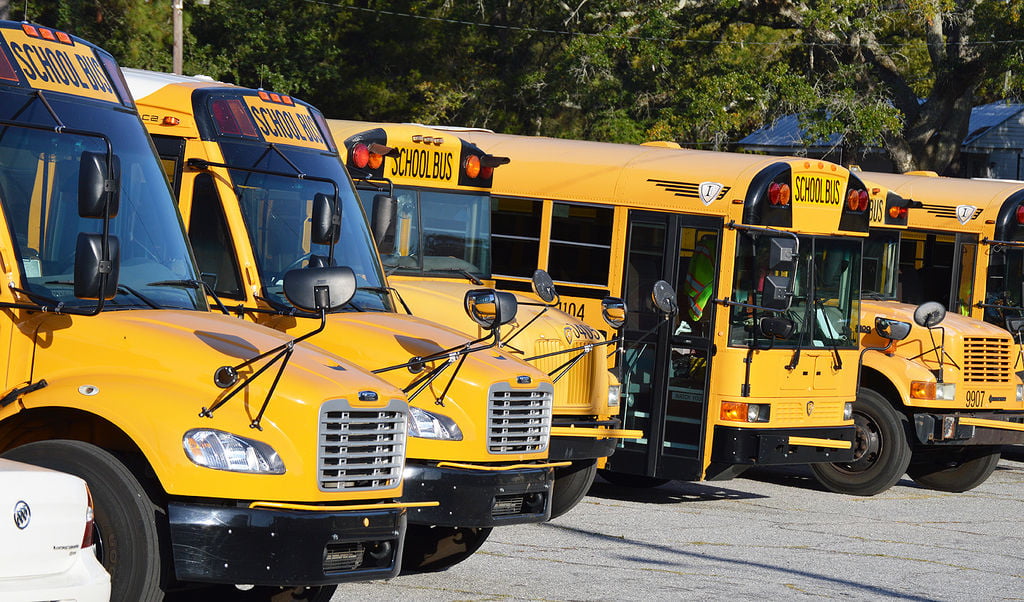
[(702, 72)]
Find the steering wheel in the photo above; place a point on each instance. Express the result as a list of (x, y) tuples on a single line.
[(278, 277)]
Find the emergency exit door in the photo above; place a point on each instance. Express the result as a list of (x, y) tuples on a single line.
[(665, 364)]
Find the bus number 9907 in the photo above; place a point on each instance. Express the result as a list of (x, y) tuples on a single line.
[(572, 309)]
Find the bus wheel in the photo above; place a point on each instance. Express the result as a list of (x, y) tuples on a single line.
[(631, 480), (430, 549), (954, 470), (881, 452), (125, 520), (571, 484)]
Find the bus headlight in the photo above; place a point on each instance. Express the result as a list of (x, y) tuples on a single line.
[(848, 410), (613, 395), (428, 425), (224, 451), (927, 389), (737, 411), (1020, 392)]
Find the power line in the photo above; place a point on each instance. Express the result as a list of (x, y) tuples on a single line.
[(561, 32)]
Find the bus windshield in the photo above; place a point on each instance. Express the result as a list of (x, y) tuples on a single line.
[(39, 194), (1004, 292), (881, 273), (277, 209), (439, 232), (824, 309)]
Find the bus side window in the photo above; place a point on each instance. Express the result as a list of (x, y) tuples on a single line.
[(515, 236), (581, 241), (211, 242)]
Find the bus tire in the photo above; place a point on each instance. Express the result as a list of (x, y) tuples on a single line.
[(634, 481), (429, 549), (954, 470), (881, 450), (127, 542), (571, 484)]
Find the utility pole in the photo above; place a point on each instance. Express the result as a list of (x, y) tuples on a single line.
[(176, 8)]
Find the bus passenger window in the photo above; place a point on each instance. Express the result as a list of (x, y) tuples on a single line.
[(581, 239), (515, 236)]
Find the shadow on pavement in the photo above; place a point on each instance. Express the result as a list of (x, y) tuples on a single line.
[(672, 492)]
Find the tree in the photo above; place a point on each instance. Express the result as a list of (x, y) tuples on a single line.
[(926, 60)]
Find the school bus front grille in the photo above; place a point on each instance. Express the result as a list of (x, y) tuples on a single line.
[(518, 420), (796, 410), (572, 391), (361, 449), (987, 359)]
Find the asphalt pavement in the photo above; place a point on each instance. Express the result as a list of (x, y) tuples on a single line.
[(773, 533)]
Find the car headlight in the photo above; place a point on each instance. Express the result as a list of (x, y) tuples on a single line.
[(931, 390), (1020, 392), (224, 451), (428, 425), (848, 410), (613, 395)]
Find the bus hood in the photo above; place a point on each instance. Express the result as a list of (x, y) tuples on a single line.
[(954, 324)]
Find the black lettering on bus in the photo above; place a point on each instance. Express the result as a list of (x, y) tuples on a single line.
[(69, 67), (309, 127), (105, 84), (27, 66), (436, 166), (37, 62), (275, 122), (448, 166), (88, 71), (58, 70), (47, 65)]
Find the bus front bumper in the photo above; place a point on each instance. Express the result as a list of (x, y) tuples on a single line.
[(585, 446), (977, 428), (258, 546), (751, 446), (484, 497)]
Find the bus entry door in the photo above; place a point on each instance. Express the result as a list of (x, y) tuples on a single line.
[(665, 363)]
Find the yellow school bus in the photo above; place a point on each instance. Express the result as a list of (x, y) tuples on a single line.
[(212, 457), (938, 404), (262, 191), (436, 243), (955, 380), (758, 364)]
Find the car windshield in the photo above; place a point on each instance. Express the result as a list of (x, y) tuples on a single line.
[(39, 194), (277, 210), (438, 232), (824, 311), (1004, 292)]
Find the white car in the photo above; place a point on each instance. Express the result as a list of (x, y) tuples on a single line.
[(46, 543)]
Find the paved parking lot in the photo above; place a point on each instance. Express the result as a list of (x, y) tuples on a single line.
[(772, 534)]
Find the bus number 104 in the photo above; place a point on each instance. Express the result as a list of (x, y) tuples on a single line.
[(572, 309)]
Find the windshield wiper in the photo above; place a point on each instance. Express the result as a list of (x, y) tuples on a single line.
[(120, 287), (463, 272)]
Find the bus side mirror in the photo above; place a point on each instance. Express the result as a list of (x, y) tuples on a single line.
[(382, 222), (490, 308), (782, 255), (664, 297), (894, 330), (776, 294), (929, 314), (1015, 324), (325, 228), (95, 191), (90, 267), (776, 327), (320, 289), (613, 310), (544, 286)]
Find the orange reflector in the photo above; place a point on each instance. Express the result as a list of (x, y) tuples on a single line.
[(920, 389), (784, 195), (47, 35), (472, 166), (29, 30), (735, 411), (263, 95), (287, 100), (275, 97), (852, 200), (375, 160), (168, 120), (897, 212), (64, 38)]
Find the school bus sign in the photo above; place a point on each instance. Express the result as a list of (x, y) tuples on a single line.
[(58, 64)]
